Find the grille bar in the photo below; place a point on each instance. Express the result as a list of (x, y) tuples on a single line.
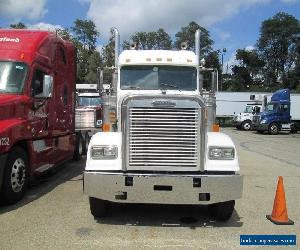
[(84, 118), (163, 137)]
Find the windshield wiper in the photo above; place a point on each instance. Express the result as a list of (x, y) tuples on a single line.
[(131, 87), (169, 85)]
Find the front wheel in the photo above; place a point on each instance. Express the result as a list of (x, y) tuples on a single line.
[(98, 207), (222, 211), (246, 125), (273, 129), (15, 176)]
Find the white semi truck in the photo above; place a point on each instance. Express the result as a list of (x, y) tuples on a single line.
[(162, 149), (88, 113)]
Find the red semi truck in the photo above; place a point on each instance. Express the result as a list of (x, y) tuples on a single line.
[(37, 107)]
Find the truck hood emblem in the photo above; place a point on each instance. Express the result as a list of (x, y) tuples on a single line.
[(162, 103)]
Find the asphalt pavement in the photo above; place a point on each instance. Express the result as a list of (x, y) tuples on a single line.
[(55, 213)]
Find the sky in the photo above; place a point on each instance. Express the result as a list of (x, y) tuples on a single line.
[(233, 24)]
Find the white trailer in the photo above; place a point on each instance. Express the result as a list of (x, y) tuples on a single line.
[(163, 149)]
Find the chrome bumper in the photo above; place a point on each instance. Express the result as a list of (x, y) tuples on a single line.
[(163, 188)]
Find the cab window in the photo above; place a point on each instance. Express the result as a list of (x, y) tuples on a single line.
[(37, 83)]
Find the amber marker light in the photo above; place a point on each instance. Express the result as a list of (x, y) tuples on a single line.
[(22, 56), (106, 127), (215, 128)]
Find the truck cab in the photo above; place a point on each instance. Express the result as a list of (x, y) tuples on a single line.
[(163, 149), (244, 120), (37, 102), (276, 116)]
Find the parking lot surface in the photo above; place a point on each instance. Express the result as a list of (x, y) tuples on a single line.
[(55, 213)]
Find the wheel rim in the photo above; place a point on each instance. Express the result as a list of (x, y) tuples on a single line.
[(247, 126), (18, 175), (274, 128)]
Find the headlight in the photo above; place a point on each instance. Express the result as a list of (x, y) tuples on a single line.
[(104, 152), (263, 121), (216, 153)]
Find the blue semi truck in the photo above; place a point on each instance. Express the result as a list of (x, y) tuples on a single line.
[(276, 116)]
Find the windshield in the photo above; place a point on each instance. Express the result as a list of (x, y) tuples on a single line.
[(248, 109), (89, 101), (271, 106), (12, 77), (158, 77)]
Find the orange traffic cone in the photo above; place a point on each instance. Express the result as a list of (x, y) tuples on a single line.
[(279, 214)]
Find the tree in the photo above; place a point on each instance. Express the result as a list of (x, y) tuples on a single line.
[(64, 34), (277, 45), (18, 25), (108, 52), (86, 33), (150, 40), (93, 64), (84, 38), (187, 34)]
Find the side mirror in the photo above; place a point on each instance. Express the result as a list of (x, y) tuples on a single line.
[(47, 87)]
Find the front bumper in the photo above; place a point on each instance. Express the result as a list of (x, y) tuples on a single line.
[(163, 188), (237, 123), (260, 127)]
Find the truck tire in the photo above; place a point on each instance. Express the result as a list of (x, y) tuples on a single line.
[(78, 147), (86, 143), (98, 207), (294, 129), (222, 211), (273, 129), (247, 125), (15, 176)]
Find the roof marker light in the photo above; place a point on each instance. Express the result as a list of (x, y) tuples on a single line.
[(189, 60), (159, 59), (148, 59), (169, 59), (127, 60)]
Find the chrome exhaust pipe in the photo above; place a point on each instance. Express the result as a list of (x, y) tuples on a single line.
[(117, 45), (197, 45)]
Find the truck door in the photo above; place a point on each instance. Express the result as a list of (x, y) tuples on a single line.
[(285, 113), (43, 146)]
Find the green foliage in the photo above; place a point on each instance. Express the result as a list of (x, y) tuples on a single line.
[(86, 33), (84, 38), (150, 40), (187, 34), (64, 34), (93, 63), (108, 52), (18, 25), (277, 46)]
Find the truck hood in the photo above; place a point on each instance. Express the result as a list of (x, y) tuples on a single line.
[(13, 106), (266, 114)]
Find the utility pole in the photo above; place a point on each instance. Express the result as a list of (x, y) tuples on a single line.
[(222, 62)]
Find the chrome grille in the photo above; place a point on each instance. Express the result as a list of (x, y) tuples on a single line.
[(84, 118), (164, 137)]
